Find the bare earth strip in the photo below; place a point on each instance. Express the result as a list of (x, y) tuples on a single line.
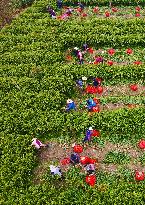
[(56, 152)]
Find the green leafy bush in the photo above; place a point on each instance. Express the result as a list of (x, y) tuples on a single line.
[(116, 158)]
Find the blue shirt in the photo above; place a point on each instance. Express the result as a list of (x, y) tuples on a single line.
[(88, 135), (80, 83), (91, 104), (71, 106)]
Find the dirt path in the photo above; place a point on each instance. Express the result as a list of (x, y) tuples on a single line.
[(8, 16), (58, 151), (123, 90), (117, 91), (111, 91)]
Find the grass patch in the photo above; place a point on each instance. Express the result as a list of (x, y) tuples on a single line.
[(116, 158)]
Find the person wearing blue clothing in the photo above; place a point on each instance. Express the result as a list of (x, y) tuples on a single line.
[(70, 105), (88, 134), (91, 104), (79, 83), (75, 158), (59, 4)]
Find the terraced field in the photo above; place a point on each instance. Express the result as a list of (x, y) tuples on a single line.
[(38, 72)]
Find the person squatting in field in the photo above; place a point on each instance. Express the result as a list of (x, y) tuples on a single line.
[(90, 104), (37, 143), (78, 54), (67, 14), (51, 12), (81, 6), (70, 105), (59, 4), (88, 134), (74, 158), (55, 170)]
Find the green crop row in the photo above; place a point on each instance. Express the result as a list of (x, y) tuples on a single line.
[(92, 3), (68, 74), (18, 160), (35, 84), (106, 2), (95, 32)]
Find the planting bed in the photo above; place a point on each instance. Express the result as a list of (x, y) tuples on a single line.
[(38, 74)]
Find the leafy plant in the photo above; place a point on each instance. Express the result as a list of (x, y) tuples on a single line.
[(117, 158)]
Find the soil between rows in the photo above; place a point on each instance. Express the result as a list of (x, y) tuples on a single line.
[(56, 152)]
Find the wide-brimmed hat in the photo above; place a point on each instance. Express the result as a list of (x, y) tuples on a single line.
[(90, 128), (69, 101), (84, 78)]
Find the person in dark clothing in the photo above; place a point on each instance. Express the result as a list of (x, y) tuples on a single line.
[(81, 5), (88, 134), (85, 47), (59, 4), (75, 159), (95, 82), (51, 12)]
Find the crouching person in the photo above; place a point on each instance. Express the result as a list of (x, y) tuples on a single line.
[(56, 171), (37, 143), (51, 12), (59, 4), (70, 105)]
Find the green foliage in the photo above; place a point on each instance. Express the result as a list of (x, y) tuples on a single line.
[(116, 158), (35, 84), (106, 2), (22, 3), (142, 159)]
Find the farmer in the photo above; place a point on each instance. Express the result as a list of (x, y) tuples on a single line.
[(90, 168), (69, 11), (51, 12), (70, 105), (75, 159), (55, 170), (97, 81), (79, 83), (75, 51), (85, 47), (37, 143), (67, 14), (78, 54), (88, 134), (91, 103), (80, 57), (81, 6), (99, 59), (59, 4)]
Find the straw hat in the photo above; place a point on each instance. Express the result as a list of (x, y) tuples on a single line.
[(69, 101), (84, 78), (90, 128)]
